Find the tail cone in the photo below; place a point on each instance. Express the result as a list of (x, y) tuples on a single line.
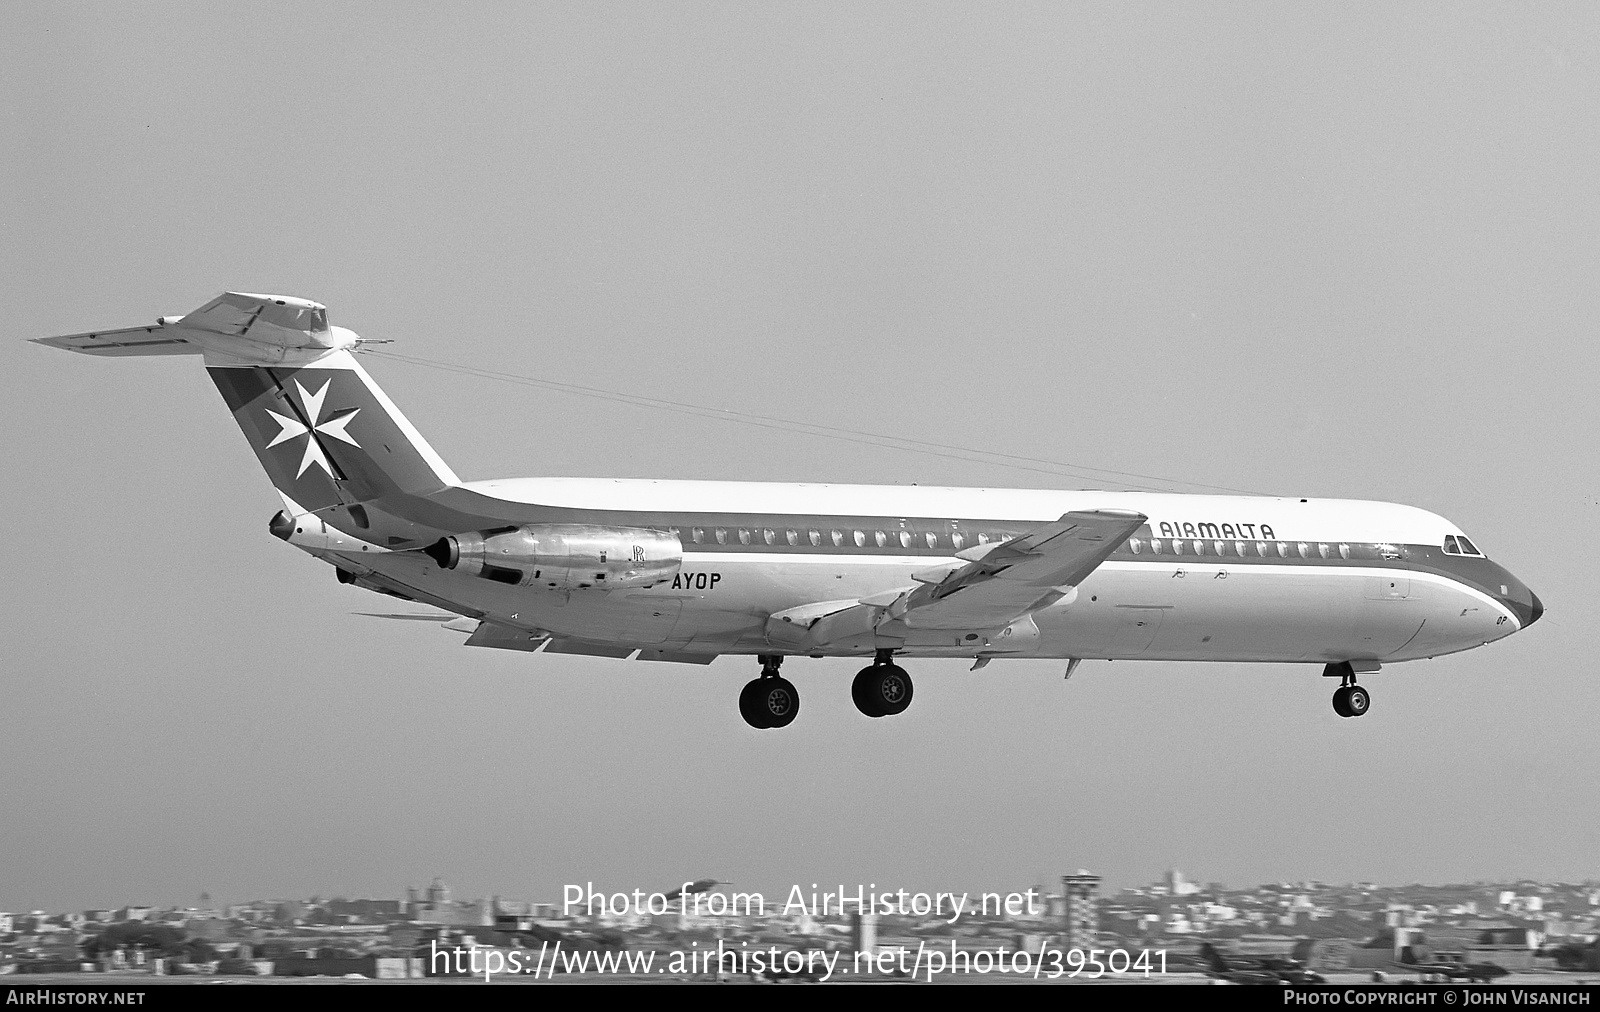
[(281, 526)]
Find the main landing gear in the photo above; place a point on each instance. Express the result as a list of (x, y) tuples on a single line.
[(1350, 699), (770, 700), (884, 689)]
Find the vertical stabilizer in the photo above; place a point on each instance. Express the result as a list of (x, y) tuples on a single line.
[(330, 440)]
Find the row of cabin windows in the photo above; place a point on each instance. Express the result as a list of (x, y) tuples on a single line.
[(1243, 549), (905, 539), (958, 540)]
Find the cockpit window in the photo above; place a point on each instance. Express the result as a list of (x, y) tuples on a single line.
[(1460, 544)]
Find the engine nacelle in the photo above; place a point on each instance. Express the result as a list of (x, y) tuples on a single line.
[(563, 556)]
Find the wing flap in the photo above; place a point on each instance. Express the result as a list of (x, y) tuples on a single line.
[(500, 637)]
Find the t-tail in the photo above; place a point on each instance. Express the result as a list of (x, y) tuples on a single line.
[(332, 443)]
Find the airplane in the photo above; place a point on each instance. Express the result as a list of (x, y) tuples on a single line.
[(1269, 969), (686, 571), (1451, 969)]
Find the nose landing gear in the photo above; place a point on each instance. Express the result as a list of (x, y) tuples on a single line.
[(770, 700), (1350, 699)]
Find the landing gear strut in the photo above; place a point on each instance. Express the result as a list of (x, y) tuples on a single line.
[(1350, 699), (770, 700), (882, 690)]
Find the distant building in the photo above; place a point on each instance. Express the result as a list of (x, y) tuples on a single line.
[(1177, 885), (438, 908), (1082, 896)]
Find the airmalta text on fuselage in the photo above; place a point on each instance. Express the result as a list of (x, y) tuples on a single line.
[(1227, 532)]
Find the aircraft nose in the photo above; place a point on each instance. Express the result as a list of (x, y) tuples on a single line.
[(1535, 609)]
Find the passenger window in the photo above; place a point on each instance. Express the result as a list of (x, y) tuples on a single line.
[(744, 536), (1261, 549), (957, 540), (861, 540), (933, 540), (1283, 550), (905, 539), (815, 537), (1322, 550), (699, 534), (983, 539), (1135, 545), (881, 538), (1155, 546), (722, 535), (1305, 550), (768, 536), (838, 538), (792, 537), (1344, 551), (1238, 549), (1199, 548), (1220, 546)]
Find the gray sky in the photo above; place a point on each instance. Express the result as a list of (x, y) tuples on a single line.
[(1282, 248)]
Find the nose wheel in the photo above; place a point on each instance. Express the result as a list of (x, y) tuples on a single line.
[(770, 700)]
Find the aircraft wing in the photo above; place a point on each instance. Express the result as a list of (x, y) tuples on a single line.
[(1009, 579), (997, 584)]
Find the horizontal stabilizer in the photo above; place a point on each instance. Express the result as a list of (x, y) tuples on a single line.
[(235, 328), (129, 341)]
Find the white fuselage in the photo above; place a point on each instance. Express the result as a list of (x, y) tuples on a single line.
[(1271, 579)]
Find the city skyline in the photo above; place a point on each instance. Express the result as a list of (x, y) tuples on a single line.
[(1048, 887)]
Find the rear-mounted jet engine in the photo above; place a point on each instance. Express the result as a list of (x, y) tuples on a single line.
[(563, 556)]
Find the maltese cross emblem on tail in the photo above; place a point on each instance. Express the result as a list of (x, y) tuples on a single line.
[(293, 427)]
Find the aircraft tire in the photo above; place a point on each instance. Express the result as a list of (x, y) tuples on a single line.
[(882, 690), (861, 692), (779, 701), (1357, 701), (1341, 705), (750, 705)]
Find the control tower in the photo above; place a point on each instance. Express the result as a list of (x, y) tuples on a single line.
[(1081, 896)]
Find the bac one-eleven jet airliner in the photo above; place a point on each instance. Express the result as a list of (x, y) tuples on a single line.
[(687, 570)]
